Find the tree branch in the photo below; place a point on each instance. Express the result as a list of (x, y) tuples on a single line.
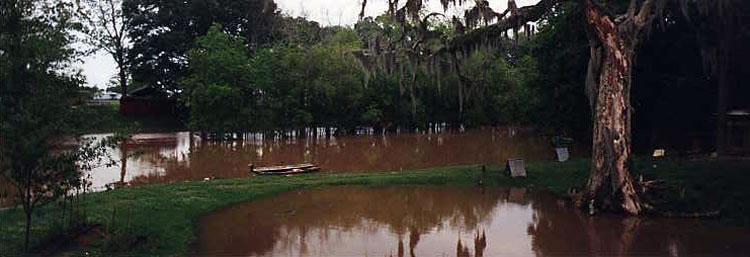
[(631, 8), (601, 23), (644, 15), (525, 14), (362, 12)]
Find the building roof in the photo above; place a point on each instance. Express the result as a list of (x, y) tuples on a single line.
[(147, 92)]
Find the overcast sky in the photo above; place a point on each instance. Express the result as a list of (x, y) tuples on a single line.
[(99, 68)]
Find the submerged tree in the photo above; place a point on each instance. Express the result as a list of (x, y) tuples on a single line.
[(218, 86), (395, 45)]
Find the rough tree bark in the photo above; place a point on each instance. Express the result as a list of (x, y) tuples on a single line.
[(610, 185)]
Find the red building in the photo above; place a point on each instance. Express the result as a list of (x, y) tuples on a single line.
[(147, 101)]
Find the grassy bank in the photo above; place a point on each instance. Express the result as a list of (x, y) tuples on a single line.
[(158, 219)]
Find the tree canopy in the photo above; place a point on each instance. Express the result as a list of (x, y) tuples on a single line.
[(164, 31), (37, 89)]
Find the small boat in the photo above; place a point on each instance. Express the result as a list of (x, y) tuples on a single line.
[(284, 170), (151, 139)]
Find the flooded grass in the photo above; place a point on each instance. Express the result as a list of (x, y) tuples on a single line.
[(160, 218), (175, 157)]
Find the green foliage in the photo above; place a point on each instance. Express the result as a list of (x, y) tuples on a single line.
[(561, 51), (500, 91), (36, 93), (33, 104), (163, 215), (164, 31), (321, 85), (218, 86), (310, 77)]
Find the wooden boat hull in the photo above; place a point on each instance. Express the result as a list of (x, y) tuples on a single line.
[(284, 170), (289, 172)]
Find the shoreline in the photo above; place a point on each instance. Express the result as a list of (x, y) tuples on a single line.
[(159, 219)]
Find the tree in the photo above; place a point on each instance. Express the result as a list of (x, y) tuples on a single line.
[(611, 185), (218, 86), (333, 83), (613, 41), (107, 29), (36, 39), (561, 50), (309, 86), (164, 31), (398, 44)]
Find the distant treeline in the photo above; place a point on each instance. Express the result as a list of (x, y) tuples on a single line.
[(236, 74), (322, 85), (258, 70)]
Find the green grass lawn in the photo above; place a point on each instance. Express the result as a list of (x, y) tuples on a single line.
[(159, 219)]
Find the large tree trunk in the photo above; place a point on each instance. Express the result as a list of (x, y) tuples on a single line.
[(610, 186), (122, 71), (123, 81)]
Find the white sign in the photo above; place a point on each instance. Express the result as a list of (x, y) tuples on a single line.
[(562, 154), (516, 168)]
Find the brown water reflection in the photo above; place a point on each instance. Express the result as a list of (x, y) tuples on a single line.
[(186, 157), (440, 221)]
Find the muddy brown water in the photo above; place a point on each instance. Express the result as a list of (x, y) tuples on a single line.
[(173, 157), (449, 221)]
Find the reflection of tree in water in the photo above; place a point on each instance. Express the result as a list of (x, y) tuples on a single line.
[(152, 157), (560, 230), (285, 221), (480, 243)]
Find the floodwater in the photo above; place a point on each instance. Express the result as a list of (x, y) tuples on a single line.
[(172, 157), (449, 221)]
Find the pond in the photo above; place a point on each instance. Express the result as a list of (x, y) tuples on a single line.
[(449, 221), (172, 157)]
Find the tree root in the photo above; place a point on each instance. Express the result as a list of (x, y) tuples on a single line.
[(578, 198)]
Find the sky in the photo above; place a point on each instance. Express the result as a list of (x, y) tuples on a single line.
[(100, 67)]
